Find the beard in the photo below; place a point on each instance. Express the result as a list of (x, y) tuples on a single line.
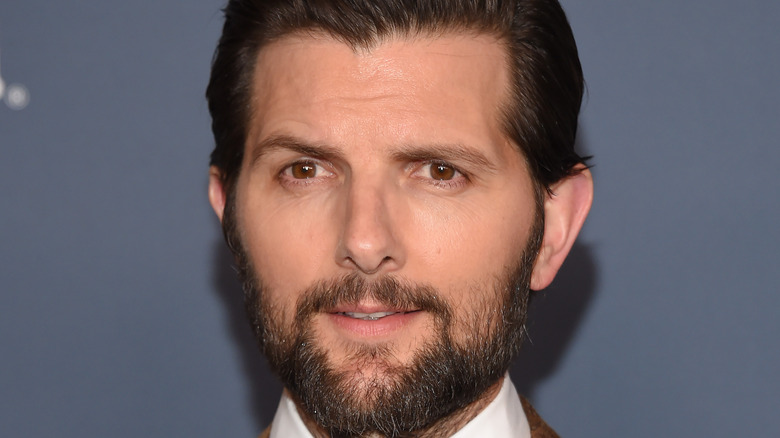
[(446, 374)]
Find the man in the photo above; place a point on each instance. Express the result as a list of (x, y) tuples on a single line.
[(392, 178)]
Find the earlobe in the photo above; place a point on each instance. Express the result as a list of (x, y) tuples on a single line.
[(216, 191), (565, 210)]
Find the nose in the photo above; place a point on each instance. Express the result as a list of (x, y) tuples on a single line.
[(368, 240)]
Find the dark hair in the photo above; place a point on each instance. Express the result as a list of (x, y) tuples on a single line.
[(540, 115)]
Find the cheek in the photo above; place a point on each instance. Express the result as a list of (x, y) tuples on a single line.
[(289, 242), (465, 245)]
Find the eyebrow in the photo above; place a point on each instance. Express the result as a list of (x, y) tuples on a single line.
[(294, 144), (445, 152), (409, 153)]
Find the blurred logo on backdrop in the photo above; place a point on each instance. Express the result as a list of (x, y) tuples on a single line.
[(14, 95)]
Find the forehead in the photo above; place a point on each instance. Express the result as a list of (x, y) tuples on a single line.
[(449, 88)]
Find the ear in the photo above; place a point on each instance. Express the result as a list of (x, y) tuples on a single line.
[(216, 191), (565, 209)]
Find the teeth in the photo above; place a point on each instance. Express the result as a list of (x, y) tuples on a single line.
[(368, 316)]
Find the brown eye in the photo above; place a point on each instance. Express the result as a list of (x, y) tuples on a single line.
[(442, 172), (303, 170)]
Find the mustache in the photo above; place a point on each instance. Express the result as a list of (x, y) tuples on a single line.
[(389, 291)]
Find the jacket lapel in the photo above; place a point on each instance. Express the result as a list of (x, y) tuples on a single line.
[(539, 429)]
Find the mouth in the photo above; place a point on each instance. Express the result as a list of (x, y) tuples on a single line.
[(374, 316), (372, 321)]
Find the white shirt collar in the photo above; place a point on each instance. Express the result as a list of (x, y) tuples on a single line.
[(502, 418)]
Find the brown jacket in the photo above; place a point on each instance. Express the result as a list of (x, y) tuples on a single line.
[(539, 429)]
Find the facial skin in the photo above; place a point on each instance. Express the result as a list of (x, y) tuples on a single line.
[(388, 163)]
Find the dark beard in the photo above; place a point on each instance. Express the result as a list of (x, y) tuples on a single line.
[(444, 376)]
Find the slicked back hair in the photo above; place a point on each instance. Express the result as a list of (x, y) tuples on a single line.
[(541, 110)]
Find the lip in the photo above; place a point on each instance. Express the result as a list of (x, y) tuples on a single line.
[(368, 307), (368, 329)]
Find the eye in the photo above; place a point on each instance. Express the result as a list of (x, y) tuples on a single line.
[(305, 173), (442, 171), (441, 174), (304, 170)]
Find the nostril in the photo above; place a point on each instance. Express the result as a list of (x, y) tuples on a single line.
[(368, 267)]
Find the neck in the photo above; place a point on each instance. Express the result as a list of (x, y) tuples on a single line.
[(441, 428)]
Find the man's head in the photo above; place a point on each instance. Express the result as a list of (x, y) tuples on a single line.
[(392, 179)]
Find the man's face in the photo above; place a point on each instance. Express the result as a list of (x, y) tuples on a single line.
[(383, 175)]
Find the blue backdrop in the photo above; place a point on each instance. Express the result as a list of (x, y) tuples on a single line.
[(120, 315)]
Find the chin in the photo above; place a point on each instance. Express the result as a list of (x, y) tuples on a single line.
[(376, 361)]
